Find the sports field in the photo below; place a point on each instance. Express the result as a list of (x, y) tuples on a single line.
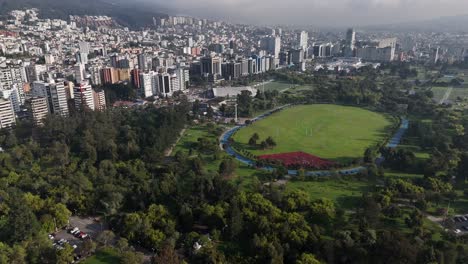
[(339, 133)]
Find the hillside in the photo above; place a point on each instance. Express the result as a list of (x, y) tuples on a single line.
[(125, 13)]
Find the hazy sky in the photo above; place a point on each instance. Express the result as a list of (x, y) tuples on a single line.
[(318, 12)]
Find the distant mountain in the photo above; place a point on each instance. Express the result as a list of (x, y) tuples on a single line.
[(125, 12)]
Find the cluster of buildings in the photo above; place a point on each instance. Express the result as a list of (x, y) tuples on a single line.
[(52, 66)]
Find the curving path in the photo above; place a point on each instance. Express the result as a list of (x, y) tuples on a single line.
[(224, 141)]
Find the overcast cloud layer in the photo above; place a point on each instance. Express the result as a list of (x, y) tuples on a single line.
[(318, 12)]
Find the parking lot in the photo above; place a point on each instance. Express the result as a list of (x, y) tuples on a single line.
[(89, 225), (460, 223)]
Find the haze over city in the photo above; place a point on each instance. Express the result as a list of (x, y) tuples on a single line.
[(315, 12)]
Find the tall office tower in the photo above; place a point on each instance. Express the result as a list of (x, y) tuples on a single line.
[(435, 54), (114, 61), (302, 40), (163, 84), (109, 75), (38, 109), (84, 99), (34, 72), (147, 85), (142, 63), (135, 78), (95, 75), (210, 65), (55, 94), (7, 115), (14, 96), (182, 79), (190, 42), (350, 42), (272, 44), (79, 70), (84, 47), (57, 98), (99, 100), (81, 57)]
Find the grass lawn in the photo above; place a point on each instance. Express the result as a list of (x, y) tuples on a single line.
[(393, 174), (339, 133), (345, 193), (439, 92), (105, 256), (459, 93)]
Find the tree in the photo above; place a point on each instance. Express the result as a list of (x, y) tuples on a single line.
[(252, 142), (270, 142), (167, 255), (129, 257), (65, 255), (227, 167), (106, 237), (244, 104), (88, 247), (306, 258), (323, 211)]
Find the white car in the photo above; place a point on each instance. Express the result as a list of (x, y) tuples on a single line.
[(457, 231)]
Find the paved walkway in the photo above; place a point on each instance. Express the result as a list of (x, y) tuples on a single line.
[(224, 141), (446, 96)]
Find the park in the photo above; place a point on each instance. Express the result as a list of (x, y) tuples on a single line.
[(332, 132)]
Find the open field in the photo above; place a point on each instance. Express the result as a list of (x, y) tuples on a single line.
[(345, 193), (459, 93), (439, 92), (334, 132)]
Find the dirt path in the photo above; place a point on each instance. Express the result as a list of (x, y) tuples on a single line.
[(168, 151)]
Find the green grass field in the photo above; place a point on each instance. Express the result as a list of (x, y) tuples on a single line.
[(459, 93), (439, 92), (339, 133), (105, 256), (345, 193)]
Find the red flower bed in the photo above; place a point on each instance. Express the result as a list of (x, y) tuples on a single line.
[(299, 160)]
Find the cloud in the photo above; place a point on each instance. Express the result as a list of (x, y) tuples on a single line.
[(318, 12)]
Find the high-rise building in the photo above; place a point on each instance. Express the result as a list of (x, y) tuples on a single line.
[(83, 95), (84, 47), (13, 96), (272, 44), (302, 40), (109, 76), (55, 94), (79, 70), (7, 115), (135, 78), (210, 66), (147, 84), (10, 76), (99, 100), (350, 42), (142, 62), (38, 109), (163, 84)]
